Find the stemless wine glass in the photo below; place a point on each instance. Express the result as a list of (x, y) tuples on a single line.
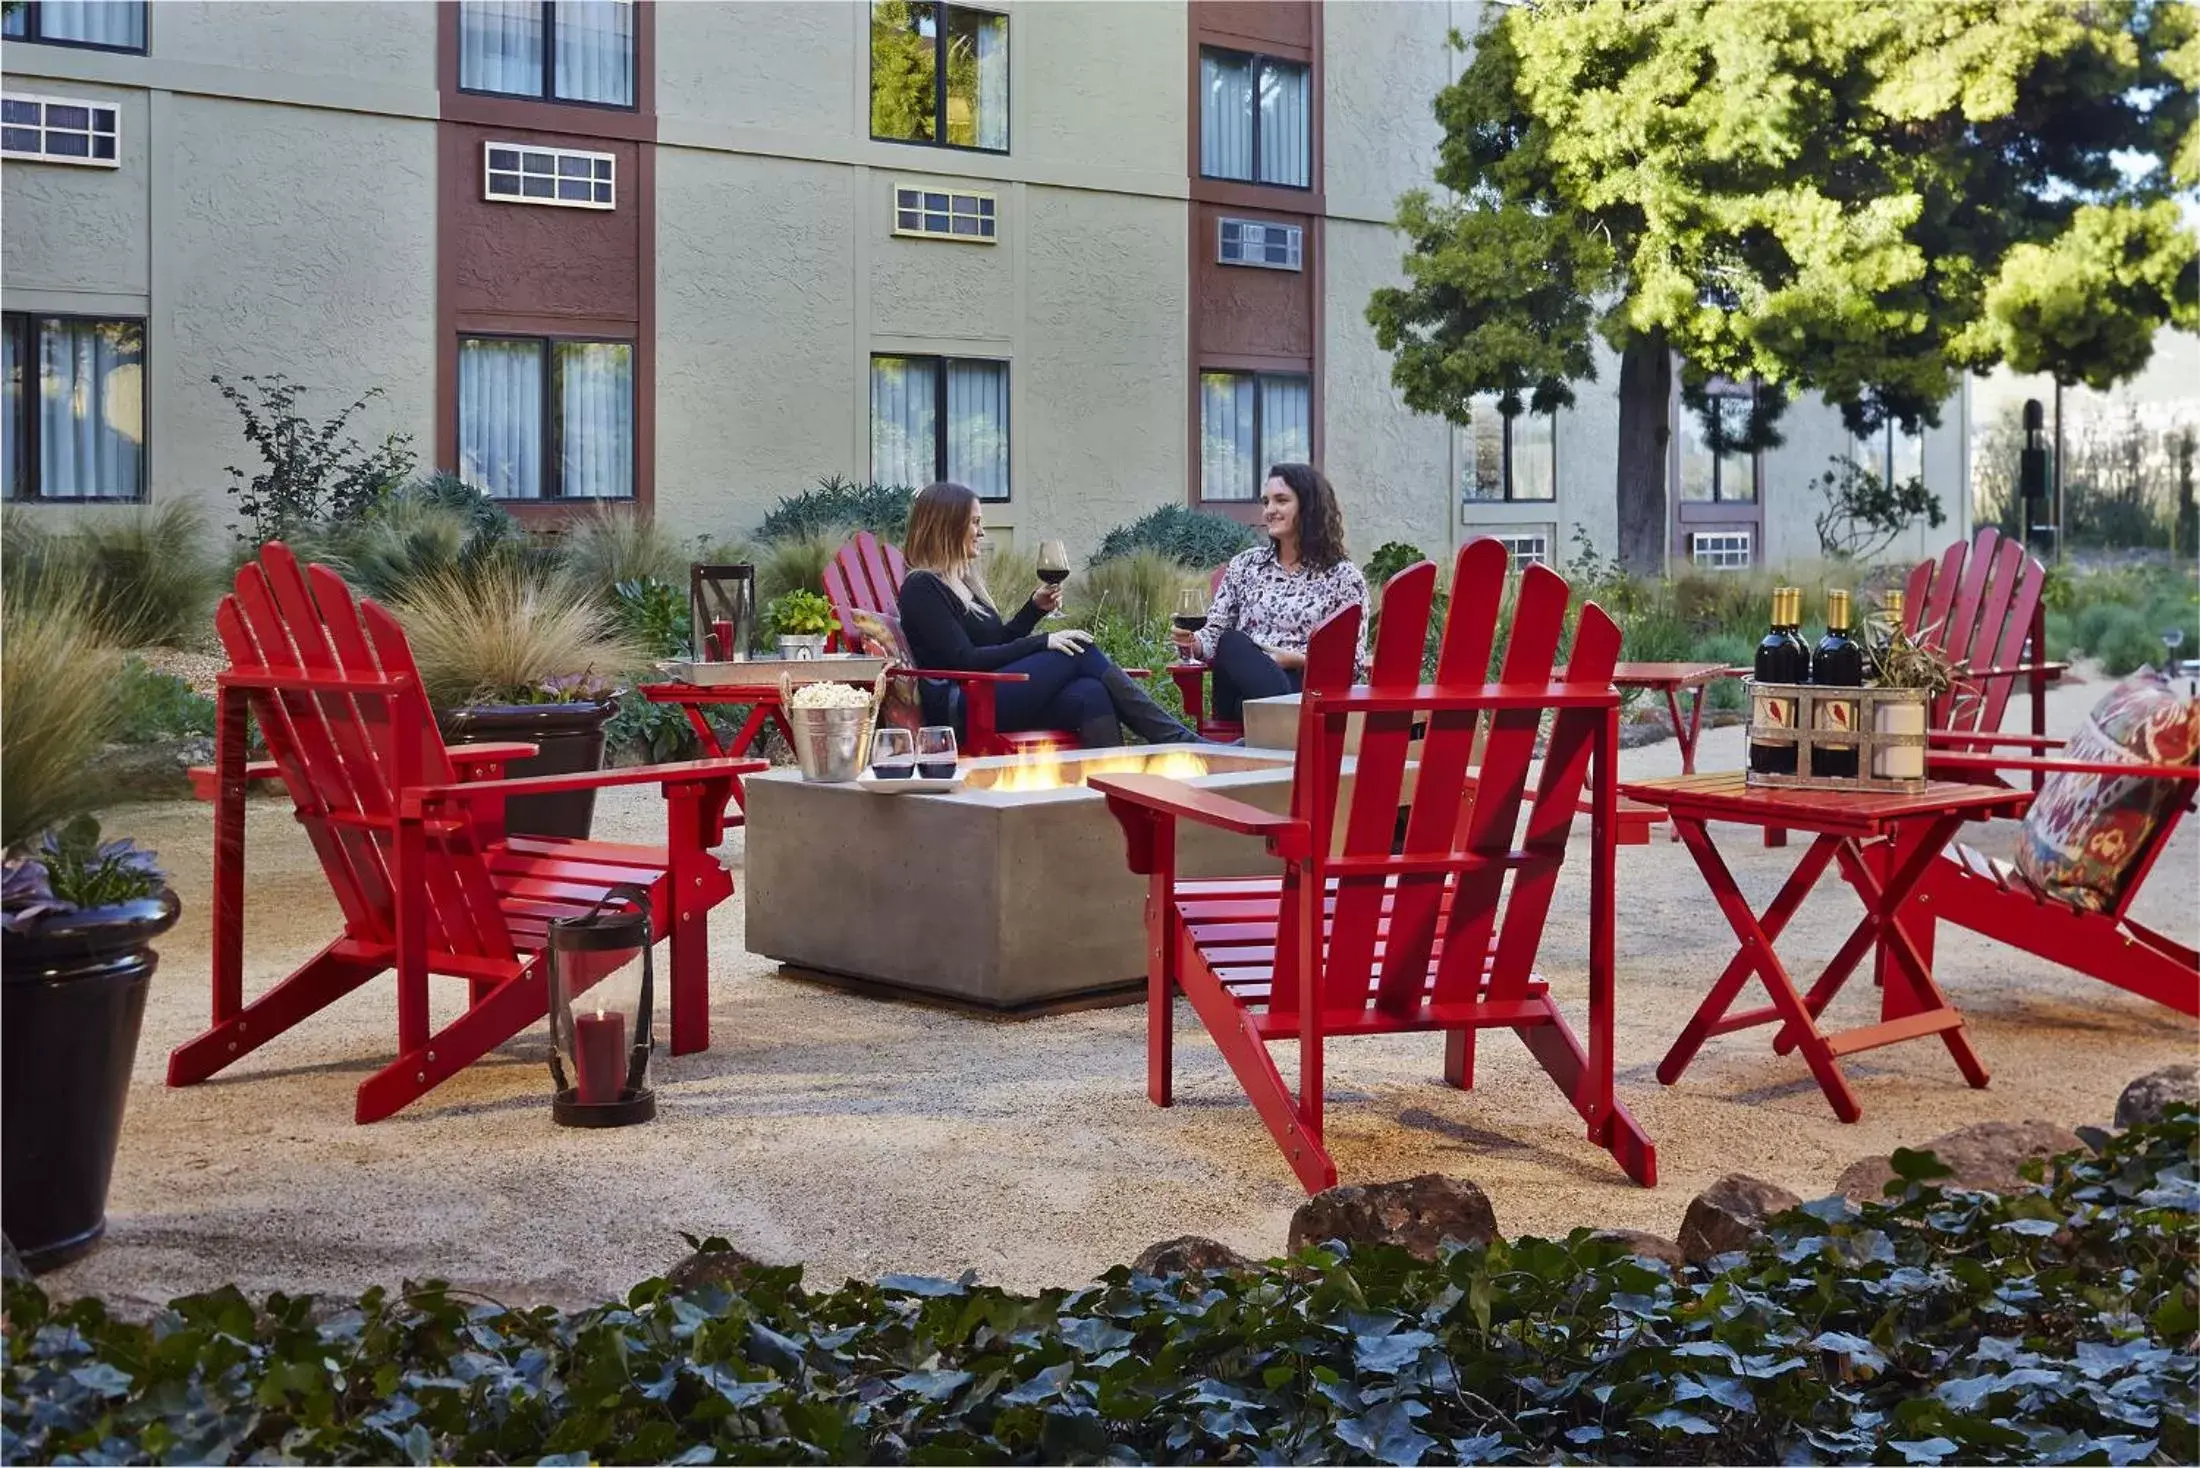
[(936, 752), (1053, 564), (893, 755)]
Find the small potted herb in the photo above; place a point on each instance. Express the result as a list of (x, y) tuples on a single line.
[(1917, 668), (800, 621)]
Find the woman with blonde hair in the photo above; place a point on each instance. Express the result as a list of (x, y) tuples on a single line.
[(950, 622)]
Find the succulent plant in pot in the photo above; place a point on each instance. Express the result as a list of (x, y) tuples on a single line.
[(508, 653), (78, 917), (1919, 667)]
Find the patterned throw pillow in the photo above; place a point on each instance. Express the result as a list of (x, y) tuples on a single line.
[(879, 635), (2084, 833)]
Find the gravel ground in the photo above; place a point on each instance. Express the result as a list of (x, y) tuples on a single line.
[(860, 1136)]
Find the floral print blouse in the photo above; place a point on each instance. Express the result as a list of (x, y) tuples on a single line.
[(1279, 608)]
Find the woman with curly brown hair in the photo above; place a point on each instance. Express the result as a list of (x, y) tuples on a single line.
[(1273, 597)]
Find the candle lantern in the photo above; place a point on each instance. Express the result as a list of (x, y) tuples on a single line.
[(601, 996)]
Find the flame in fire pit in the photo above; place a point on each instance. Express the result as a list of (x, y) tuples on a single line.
[(1051, 771)]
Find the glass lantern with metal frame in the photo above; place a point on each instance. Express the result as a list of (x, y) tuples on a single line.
[(602, 992)]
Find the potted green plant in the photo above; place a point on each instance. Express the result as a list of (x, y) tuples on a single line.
[(800, 621), (78, 917), (506, 653)]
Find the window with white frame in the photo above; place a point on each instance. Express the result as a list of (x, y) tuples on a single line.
[(1505, 459), (938, 418), (546, 419), (1249, 421), (1251, 242), (1526, 547), (1720, 550), (100, 25), (1255, 119), (515, 174), (75, 408), (946, 214), (557, 50), (59, 130)]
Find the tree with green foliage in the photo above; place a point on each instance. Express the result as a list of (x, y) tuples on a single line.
[(1858, 200)]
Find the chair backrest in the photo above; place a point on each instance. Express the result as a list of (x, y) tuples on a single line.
[(337, 695), (1445, 890), (865, 573), (1977, 603)]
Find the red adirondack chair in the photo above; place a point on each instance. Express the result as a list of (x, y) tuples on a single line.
[(1370, 941), (866, 574), (410, 835), (1191, 686), (1979, 602)]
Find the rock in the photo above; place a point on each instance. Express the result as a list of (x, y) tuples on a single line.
[(11, 1263), (2148, 1098), (1190, 1254), (1984, 1157), (1417, 1214), (1728, 1214), (727, 1269), (1642, 1245)]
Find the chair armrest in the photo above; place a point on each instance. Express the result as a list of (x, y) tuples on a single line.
[(1161, 796), (203, 777), (1965, 736), (958, 677), (2051, 671), (1955, 761), (414, 798)]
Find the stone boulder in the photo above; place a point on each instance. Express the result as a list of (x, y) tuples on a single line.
[(1417, 1214), (1984, 1158), (1190, 1254), (726, 1269), (1728, 1214), (1643, 1245), (2148, 1098)]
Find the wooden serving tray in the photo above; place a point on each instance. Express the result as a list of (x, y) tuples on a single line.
[(766, 672)]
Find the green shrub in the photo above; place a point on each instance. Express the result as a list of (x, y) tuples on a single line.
[(1734, 650), (798, 614), (1185, 536), (838, 506), (2125, 643), (157, 706), (654, 616), (57, 703), (1389, 559), (795, 564), (1140, 586), (313, 474), (611, 545), (1010, 574), (2053, 1324), (145, 575)]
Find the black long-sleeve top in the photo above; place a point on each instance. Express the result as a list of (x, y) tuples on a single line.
[(943, 633)]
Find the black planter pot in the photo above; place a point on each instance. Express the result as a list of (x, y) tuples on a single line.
[(570, 740), (72, 994)]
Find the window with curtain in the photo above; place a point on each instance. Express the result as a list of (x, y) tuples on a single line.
[(545, 419), (559, 50), (940, 418), (939, 75), (1712, 470), (107, 25), (1255, 119), (1504, 459), (75, 408), (1248, 421)]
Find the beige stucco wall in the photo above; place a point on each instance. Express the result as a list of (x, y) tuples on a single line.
[(782, 68), (365, 42), (1390, 466), (77, 238)]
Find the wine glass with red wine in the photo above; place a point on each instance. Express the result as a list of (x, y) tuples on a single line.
[(1191, 609), (936, 752), (1053, 563)]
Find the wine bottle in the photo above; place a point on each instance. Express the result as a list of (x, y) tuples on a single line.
[(1776, 662), (1839, 663), (1795, 634)]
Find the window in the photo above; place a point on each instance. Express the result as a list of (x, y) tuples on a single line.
[(1896, 457), (1504, 458), (1255, 119), (1712, 470), (542, 420), (75, 408), (58, 130), (1720, 550), (939, 75), (912, 397), (1248, 421), (522, 175), (942, 215), (105, 25), (562, 51), (1527, 548), (1249, 242)]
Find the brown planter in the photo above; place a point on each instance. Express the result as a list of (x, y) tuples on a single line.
[(569, 739)]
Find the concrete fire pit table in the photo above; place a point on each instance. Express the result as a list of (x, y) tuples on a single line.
[(1011, 894)]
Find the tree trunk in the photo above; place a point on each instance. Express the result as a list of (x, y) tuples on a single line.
[(1645, 394)]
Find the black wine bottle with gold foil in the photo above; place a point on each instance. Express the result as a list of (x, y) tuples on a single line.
[(1838, 663), (1780, 659)]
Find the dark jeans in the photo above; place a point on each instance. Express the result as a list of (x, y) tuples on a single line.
[(1060, 692), (1243, 671)]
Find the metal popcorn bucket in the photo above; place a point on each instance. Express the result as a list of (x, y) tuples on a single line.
[(828, 743)]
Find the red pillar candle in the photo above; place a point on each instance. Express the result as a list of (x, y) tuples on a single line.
[(599, 1057)]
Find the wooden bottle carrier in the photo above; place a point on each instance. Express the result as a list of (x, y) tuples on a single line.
[(1807, 700)]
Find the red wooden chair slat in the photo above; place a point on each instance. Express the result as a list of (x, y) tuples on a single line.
[(1979, 602), (426, 879), (1345, 943)]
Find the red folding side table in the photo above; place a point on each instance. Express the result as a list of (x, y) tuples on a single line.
[(1885, 843), (1669, 679)]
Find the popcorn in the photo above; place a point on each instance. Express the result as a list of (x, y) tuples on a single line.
[(829, 696)]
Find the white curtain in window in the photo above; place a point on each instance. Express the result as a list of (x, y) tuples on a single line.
[(902, 442), (1535, 457), (500, 417), (993, 89), (1226, 115), (596, 51), (1482, 450), (91, 411), (1226, 446), (977, 427), (1286, 422), (595, 419), (500, 46), (1286, 125), (95, 22)]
